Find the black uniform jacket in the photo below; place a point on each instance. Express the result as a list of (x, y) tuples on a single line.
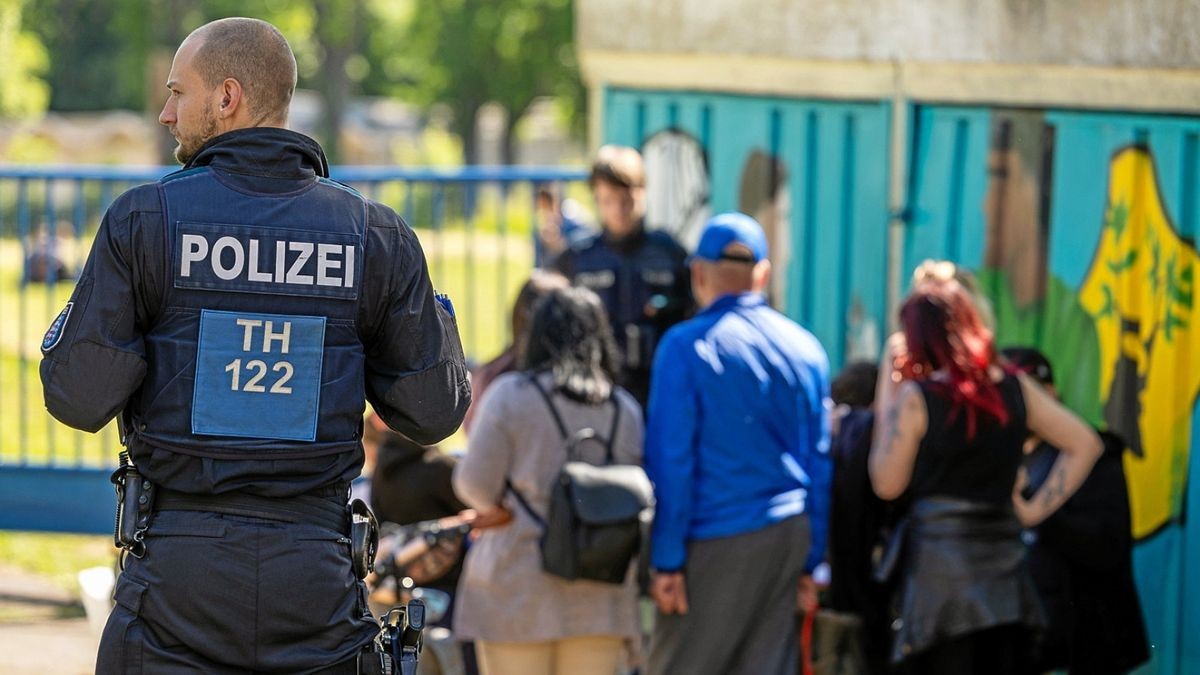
[(95, 354)]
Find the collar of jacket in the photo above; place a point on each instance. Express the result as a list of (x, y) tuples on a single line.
[(630, 242), (263, 151), (732, 300)]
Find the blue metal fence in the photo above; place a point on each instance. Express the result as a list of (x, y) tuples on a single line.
[(476, 225)]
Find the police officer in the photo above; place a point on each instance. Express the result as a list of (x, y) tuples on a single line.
[(236, 314), (640, 275)]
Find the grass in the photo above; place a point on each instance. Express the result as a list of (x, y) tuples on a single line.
[(56, 557)]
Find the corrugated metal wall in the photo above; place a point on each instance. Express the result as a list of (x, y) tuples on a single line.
[(832, 157)]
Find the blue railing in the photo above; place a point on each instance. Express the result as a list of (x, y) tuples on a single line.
[(476, 225)]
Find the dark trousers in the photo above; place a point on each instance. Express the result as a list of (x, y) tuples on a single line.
[(230, 594), (741, 594)]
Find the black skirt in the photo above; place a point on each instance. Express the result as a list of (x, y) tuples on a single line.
[(964, 570)]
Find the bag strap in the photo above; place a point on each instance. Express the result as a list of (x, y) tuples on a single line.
[(612, 431), (524, 504), (562, 427)]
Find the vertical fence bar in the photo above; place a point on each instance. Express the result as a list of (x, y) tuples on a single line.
[(438, 214), (22, 310), (3, 378), (49, 256), (470, 241), (501, 295), (78, 217)]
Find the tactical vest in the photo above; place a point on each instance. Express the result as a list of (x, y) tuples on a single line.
[(255, 353)]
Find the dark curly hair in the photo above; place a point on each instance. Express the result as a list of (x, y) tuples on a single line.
[(570, 337)]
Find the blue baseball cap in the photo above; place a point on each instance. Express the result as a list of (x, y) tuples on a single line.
[(731, 228)]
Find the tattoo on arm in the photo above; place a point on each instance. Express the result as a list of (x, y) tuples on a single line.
[(1055, 487), (892, 425), (894, 432)]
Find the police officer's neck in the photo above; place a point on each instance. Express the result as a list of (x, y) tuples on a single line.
[(629, 239)]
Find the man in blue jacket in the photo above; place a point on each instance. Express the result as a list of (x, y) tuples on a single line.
[(737, 444), (237, 314)]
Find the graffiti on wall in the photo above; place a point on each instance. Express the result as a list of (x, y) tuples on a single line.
[(1124, 345), (1140, 293)]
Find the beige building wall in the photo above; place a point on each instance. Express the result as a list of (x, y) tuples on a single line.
[(1093, 54)]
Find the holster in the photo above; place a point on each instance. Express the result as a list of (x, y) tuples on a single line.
[(364, 538), (135, 504)]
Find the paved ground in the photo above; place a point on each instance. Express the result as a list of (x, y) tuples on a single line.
[(42, 628)]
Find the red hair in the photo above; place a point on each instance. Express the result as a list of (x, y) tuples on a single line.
[(943, 331)]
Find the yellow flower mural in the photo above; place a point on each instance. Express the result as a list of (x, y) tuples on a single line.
[(1140, 291)]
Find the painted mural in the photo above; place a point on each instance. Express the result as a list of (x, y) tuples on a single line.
[(1140, 293), (1123, 343)]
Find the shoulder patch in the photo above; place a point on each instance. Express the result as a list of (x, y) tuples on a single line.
[(57, 328)]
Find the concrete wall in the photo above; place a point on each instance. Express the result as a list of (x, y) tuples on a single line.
[(1114, 33)]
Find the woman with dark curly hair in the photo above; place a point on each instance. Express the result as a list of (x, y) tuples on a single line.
[(522, 619), (950, 435)]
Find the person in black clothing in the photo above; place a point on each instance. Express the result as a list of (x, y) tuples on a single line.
[(951, 434), (641, 276), (411, 482), (857, 517), (1081, 558)]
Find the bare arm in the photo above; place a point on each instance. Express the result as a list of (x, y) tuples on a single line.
[(898, 434), (1080, 448), (888, 379)]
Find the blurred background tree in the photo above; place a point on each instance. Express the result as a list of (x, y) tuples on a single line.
[(23, 61), (97, 55)]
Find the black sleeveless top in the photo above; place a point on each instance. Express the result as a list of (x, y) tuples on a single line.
[(983, 469)]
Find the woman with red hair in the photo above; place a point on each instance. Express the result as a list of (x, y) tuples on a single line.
[(950, 440)]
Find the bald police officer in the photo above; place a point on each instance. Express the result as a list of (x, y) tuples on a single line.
[(236, 314)]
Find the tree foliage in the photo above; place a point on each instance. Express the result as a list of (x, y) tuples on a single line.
[(106, 54), (23, 59), (465, 53)]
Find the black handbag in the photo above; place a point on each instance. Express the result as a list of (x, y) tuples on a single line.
[(599, 515)]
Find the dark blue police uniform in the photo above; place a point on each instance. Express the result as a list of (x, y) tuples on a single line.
[(644, 283), (240, 312)]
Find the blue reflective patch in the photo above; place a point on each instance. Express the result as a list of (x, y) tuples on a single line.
[(258, 375), (55, 332), (280, 261)]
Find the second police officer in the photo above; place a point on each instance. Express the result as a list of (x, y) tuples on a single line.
[(641, 275)]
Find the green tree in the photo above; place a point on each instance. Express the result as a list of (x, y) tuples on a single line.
[(99, 52), (465, 53), (23, 59)]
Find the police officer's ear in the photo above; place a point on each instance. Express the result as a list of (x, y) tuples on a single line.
[(761, 276), (232, 99)]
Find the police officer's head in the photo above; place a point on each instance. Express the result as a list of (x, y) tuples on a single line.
[(229, 74), (730, 258), (618, 183)]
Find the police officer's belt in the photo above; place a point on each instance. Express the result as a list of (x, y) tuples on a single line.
[(307, 509)]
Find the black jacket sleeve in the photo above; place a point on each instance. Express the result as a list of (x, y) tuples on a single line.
[(416, 374), (94, 358)]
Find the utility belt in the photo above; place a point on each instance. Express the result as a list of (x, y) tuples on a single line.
[(395, 650), (138, 500)]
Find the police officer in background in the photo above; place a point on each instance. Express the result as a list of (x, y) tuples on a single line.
[(641, 276), (236, 314)]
